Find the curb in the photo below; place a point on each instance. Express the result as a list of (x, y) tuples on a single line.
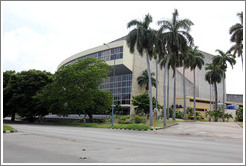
[(10, 131), (131, 129), (145, 129), (240, 125)]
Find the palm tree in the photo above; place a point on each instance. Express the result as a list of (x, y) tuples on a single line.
[(186, 64), (155, 55), (236, 32), (176, 38), (196, 60), (213, 76), (143, 80), (142, 36), (221, 60)]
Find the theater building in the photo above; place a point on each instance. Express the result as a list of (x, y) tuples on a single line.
[(129, 66)]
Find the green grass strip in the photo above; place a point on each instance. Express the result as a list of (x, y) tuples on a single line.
[(8, 128), (131, 126)]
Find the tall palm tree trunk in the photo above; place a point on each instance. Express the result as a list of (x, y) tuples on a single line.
[(156, 94), (194, 76), (223, 106), (150, 90), (174, 95), (168, 94), (216, 96), (184, 92), (210, 97), (164, 92)]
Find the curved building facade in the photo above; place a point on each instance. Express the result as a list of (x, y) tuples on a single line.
[(129, 66)]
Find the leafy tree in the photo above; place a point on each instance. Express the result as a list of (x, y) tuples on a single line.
[(75, 89), (143, 37), (221, 60), (176, 39), (144, 80), (236, 32), (214, 76), (6, 96), (20, 91), (6, 77), (142, 103), (196, 61)]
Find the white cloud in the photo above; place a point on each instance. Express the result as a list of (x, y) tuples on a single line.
[(42, 34)]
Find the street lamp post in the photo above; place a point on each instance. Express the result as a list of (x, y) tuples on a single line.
[(112, 123)]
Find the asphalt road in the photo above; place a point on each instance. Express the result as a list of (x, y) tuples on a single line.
[(59, 144)]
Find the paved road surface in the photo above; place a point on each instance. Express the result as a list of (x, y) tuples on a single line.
[(59, 144)]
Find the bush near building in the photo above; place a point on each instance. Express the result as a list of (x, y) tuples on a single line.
[(239, 114), (142, 104)]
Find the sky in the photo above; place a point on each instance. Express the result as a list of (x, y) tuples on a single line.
[(41, 34)]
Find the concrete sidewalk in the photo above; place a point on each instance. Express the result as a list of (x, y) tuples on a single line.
[(205, 129)]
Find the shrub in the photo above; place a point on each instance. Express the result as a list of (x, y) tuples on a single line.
[(179, 115), (239, 114), (190, 111), (103, 120), (217, 114), (228, 116), (132, 127), (139, 119), (126, 119)]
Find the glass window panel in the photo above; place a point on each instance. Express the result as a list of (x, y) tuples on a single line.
[(119, 78), (99, 54), (124, 84), (124, 90), (119, 84), (121, 49), (119, 90), (124, 77), (121, 55), (127, 102), (106, 57)]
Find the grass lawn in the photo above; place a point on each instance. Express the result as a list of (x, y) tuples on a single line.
[(116, 125), (7, 128)]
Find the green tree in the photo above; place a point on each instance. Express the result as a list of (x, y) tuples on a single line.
[(142, 104), (196, 61), (221, 60), (6, 96), (214, 76), (75, 89), (6, 77), (20, 91), (143, 37), (144, 80), (176, 39), (236, 32)]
